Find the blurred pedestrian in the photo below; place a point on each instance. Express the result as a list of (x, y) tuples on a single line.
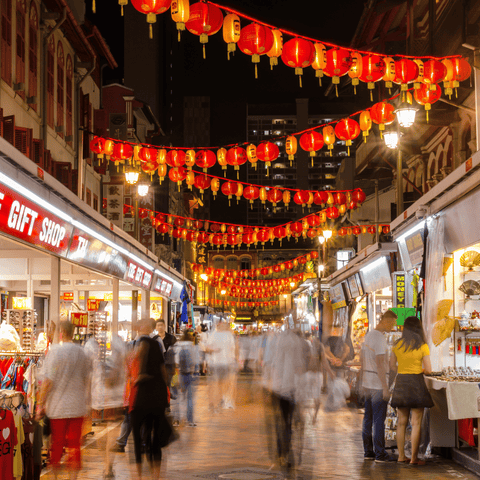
[(221, 351), (410, 395), (375, 388), (168, 341), (148, 398), (64, 398), (200, 344)]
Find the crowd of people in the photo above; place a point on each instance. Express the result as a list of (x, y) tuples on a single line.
[(157, 374)]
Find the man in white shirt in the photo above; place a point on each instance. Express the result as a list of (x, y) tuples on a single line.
[(374, 383)]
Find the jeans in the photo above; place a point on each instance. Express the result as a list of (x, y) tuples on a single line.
[(125, 430), (186, 388), (374, 420)]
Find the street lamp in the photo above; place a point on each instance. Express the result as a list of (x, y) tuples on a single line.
[(142, 189), (391, 139), (406, 114), (327, 234), (131, 176)]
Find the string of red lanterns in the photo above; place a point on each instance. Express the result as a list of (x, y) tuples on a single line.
[(231, 303)]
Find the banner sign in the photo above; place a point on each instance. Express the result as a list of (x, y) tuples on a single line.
[(399, 290), (162, 286), (79, 319), (138, 275)]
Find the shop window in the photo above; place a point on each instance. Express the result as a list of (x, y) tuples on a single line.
[(7, 41), (232, 263), (69, 104), (245, 263), (219, 263), (86, 123), (32, 55), (60, 87), (95, 202), (20, 47), (88, 197), (50, 81)]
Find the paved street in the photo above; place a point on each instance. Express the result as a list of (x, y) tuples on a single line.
[(233, 444)]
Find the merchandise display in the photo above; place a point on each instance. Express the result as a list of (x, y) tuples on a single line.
[(359, 327), (24, 322)]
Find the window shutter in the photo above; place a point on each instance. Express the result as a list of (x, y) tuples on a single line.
[(9, 129), (6, 69), (38, 152)]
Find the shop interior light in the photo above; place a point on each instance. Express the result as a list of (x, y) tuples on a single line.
[(285, 295), (327, 234), (131, 176), (142, 189), (292, 284), (223, 292), (204, 277), (391, 139), (406, 114)]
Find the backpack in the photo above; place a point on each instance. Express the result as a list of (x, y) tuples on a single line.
[(185, 361)]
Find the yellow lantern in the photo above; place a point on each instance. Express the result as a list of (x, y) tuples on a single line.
[(342, 209), (231, 32), (170, 219), (222, 159), (322, 216), (417, 83), (295, 263), (291, 146), (189, 223), (223, 228), (184, 234), (282, 267), (320, 61), (252, 155), (355, 70), (365, 123), (136, 151), (364, 229), (329, 137), (331, 200), (190, 159), (263, 194), (239, 192), (180, 11), (277, 48), (448, 81), (215, 186), (310, 199), (389, 75), (162, 172), (286, 197), (190, 179), (308, 257)]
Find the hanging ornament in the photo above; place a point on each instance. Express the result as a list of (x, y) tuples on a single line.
[(205, 20), (373, 70), (298, 53), (277, 48), (365, 123), (301, 198), (329, 137), (222, 159), (263, 194), (215, 186), (180, 11), (433, 72), (311, 142), (251, 193), (274, 196), (347, 130), (406, 71), (190, 179), (426, 96), (175, 158), (202, 182), (231, 32), (337, 65), (229, 189), (162, 172), (190, 159), (389, 75), (122, 3), (291, 147), (252, 155), (239, 191), (320, 61), (355, 70), (255, 40), (236, 156), (458, 70), (151, 8), (286, 198), (177, 175), (421, 70), (205, 159), (97, 146), (382, 113), (267, 152)]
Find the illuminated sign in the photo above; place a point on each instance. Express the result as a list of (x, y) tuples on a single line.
[(415, 248), (138, 275), (162, 286), (337, 297), (22, 303), (399, 290), (67, 297), (22, 219), (79, 319), (93, 304)]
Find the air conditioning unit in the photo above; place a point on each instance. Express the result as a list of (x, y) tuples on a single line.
[(69, 138), (31, 100), (19, 87), (59, 129)]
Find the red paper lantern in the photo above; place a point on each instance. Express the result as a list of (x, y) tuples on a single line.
[(217, 239), (427, 96), (288, 265), (203, 237), (148, 155), (311, 142), (143, 213), (301, 197), (267, 152), (205, 159), (342, 231), (274, 196), (371, 230), (205, 20), (458, 70), (320, 198), (338, 63), (406, 71), (332, 212), (255, 40), (251, 193), (433, 71), (229, 189), (263, 235), (175, 158), (314, 255), (151, 8), (373, 70), (382, 113), (233, 240), (347, 129), (356, 230), (340, 198), (122, 151), (386, 229), (202, 182), (277, 47), (279, 232), (298, 53), (296, 227), (177, 174), (97, 145), (179, 222), (358, 196), (313, 221), (236, 156)]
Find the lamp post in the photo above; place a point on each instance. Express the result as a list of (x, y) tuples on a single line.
[(142, 191), (204, 278)]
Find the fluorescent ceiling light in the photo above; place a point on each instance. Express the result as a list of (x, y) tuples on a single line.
[(372, 266)]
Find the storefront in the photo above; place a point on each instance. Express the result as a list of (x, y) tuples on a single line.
[(451, 303)]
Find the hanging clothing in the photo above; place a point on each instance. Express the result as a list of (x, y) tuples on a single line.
[(17, 459), (27, 449), (8, 440)]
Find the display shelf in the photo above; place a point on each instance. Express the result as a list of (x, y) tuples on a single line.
[(24, 322)]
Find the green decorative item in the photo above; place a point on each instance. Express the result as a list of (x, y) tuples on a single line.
[(402, 314)]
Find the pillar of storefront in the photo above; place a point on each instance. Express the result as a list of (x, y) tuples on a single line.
[(134, 312), (30, 292), (145, 304), (115, 303), (54, 310)]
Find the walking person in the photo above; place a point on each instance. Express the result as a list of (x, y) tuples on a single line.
[(64, 398), (375, 387), (410, 395), (186, 355), (148, 399)]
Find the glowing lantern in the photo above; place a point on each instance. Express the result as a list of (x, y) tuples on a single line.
[(263, 236), (342, 232), (365, 123), (280, 233), (313, 221), (340, 198), (231, 32), (179, 222), (262, 195), (389, 75), (458, 70), (433, 72), (320, 198), (222, 159), (426, 96), (320, 61), (338, 63), (123, 151), (267, 152), (236, 156), (149, 167), (148, 155), (332, 212), (329, 137), (386, 229), (298, 53), (406, 71), (421, 70), (347, 129), (355, 70), (373, 70), (205, 159), (277, 48), (180, 11), (202, 182), (176, 158), (205, 20), (251, 193), (161, 156), (239, 191), (162, 172), (108, 148), (190, 179), (177, 174), (151, 8), (255, 40), (197, 224), (358, 196), (382, 113), (97, 146), (301, 197), (291, 147), (190, 159), (311, 142), (286, 198), (229, 189), (274, 196), (215, 186), (252, 155)]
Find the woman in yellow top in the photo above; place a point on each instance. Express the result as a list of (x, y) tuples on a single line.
[(410, 393)]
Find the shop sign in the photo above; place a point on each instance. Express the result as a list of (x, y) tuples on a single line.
[(138, 275), (79, 319), (399, 290), (415, 248), (353, 286), (22, 303), (67, 297), (113, 193), (90, 252), (20, 218), (162, 286), (337, 297), (93, 304)]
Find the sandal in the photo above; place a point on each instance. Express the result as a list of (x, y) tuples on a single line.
[(418, 462), (407, 460)]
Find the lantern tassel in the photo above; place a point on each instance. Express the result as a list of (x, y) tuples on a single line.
[(336, 89), (179, 35), (237, 175), (256, 71), (121, 10), (204, 52), (267, 171), (426, 115), (354, 89), (300, 80), (94, 7), (150, 32), (312, 162), (371, 95), (348, 150)]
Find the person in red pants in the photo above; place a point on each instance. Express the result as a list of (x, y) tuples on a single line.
[(63, 398)]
